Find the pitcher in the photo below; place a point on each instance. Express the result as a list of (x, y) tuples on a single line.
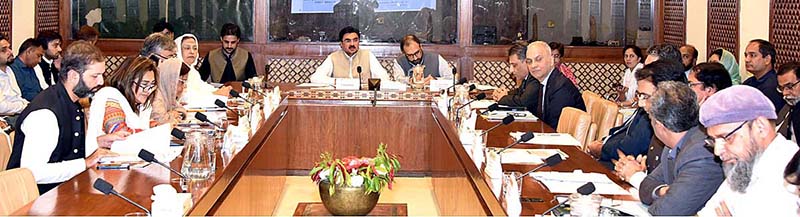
[(198, 158)]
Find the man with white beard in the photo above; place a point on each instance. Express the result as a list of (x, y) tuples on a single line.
[(740, 122), (789, 115)]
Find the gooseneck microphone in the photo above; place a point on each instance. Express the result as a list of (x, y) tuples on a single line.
[(460, 82), (478, 97), (247, 85), (524, 138), (151, 158), (233, 93), (585, 189), (222, 104), (548, 162), (358, 69), (105, 187), (178, 134), (506, 121), (202, 117)]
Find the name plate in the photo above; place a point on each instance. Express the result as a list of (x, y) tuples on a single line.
[(437, 85), (348, 84)]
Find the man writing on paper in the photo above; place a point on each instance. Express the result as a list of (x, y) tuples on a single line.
[(688, 174), (50, 139), (345, 63), (431, 65), (527, 93)]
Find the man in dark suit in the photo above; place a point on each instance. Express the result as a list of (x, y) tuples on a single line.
[(556, 90), (526, 94), (688, 175), (789, 116)]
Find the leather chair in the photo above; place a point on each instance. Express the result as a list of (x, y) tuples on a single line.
[(18, 187), (576, 123), (604, 114), (5, 149), (589, 98)]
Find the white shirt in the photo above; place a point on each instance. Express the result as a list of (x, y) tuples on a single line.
[(41, 126), (629, 81), (324, 73), (12, 101), (400, 75), (96, 117), (199, 93), (767, 194), (544, 88), (40, 74)]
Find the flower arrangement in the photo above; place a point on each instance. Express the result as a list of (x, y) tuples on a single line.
[(373, 173)]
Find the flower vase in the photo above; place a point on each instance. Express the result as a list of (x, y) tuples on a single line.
[(347, 200)]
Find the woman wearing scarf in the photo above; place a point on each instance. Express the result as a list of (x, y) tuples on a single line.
[(172, 78), (727, 59), (123, 106), (198, 92)]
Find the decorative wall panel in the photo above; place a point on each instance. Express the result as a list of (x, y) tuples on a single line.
[(785, 30), (47, 15), (723, 25), (674, 22), (5, 18)]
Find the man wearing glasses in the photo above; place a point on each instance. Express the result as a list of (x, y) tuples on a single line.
[(158, 47), (687, 175), (431, 65), (789, 117), (740, 123), (345, 63)]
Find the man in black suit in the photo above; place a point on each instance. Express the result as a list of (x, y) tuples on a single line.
[(789, 116), (525, 95), (556, 90)]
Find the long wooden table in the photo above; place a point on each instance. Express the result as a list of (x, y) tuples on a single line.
[(288, 142)]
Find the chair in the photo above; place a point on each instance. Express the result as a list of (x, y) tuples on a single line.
[(576, 123), (604, 114), (5, 149), (18, 187), (589, 98)]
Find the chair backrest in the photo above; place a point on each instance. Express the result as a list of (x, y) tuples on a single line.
[(18, 187), (576, 123), (5, 149), (604, 114), (589, 98)]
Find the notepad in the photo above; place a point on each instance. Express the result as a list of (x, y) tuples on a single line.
[(483, 87), (527, 156), (569, 182), (549, 139), (155, 140)]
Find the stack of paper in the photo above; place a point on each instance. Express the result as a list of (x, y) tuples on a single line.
[(549, 139), (483, 87), (155, 140), (518, 115), (566, 182), (527, 156), (482, 104)]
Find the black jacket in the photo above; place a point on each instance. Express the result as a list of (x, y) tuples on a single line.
[(524, 96), (559, 93)]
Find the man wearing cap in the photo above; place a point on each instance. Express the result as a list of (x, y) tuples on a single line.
[(688, 174), (740, 122)]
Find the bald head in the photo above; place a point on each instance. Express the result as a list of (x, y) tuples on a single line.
[(539, 60)]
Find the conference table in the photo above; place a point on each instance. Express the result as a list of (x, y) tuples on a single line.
[(269, 176)]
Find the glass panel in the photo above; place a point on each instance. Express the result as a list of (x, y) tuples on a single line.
[(135, 18), (575, 22), (433, 21)]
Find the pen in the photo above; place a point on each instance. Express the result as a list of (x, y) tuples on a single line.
[(113, 166)]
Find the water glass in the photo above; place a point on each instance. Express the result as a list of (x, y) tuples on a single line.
[(585, 205), (198, 158)]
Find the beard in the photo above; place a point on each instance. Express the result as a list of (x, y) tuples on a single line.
[(740, 173), (83, 91), (791, 100), (416, 62)]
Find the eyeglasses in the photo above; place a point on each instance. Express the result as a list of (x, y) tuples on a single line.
[(787, 86), (149, 87), (692, 84), (415, 54), (556, 56), (165, 57), (182, 81), (642, 96), (711, 141)]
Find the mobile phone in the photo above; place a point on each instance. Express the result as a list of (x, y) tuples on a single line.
[(531, 200)]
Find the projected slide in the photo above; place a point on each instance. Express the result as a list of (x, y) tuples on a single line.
[(326, 6)]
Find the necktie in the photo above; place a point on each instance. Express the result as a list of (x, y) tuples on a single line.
[(540, 103), (54, 74)]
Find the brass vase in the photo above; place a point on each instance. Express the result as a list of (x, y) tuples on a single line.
[(346, 200)]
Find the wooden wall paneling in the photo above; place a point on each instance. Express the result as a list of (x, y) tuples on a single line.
[(785, 30), (5, 18), (723, 25), (48, 15), (674, 21)]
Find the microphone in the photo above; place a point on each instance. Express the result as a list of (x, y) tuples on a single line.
[(233, 93), (358, 69), (506, 120), (472, 87), (177, 134), (585, 189), (266, 75), (202, 117), (524, 138), (491, 108), (105, 187), (247, 85), (151, 158), (548, 162), (480, 96), (460, 82), (222, 104)]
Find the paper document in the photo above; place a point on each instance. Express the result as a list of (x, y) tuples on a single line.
[(155, 140), (482, 104), (313, 85), (549, 139), (527, 156), (483, 87), (518, 115), (569, 182)]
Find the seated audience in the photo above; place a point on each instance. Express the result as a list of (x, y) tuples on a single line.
[(558, 52), (158, 47), (688, 175), (727, 59), (198, 92), (688, 58), (172, 75), (789, 116), (759, 58), (626, 91), (433, 65), (50, 139), (707, 79), (556, 90), (47, 69), (526, 94), (228, 63), (740, 122), (123, 106), (12, 102), (88, 34), (30, 53), (345, 62)]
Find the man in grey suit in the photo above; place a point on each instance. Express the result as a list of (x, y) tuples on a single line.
[(688, 175)]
